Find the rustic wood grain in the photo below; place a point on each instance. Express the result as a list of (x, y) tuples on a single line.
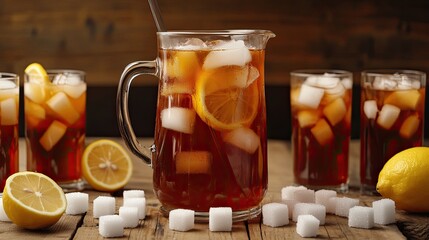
[(155, 226), (102, 36)]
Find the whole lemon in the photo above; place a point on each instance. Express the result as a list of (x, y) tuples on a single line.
[(405, 178)]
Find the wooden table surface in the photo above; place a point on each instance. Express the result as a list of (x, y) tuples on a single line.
[(155, 226)]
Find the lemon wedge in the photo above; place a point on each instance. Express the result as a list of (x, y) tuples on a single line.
[(33, 200)]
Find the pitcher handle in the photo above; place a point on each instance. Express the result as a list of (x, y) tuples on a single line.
[(130, 72)]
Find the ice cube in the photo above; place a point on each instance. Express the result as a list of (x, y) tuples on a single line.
[(310, 96), (34, 110), (322, 196), (384, 211), (335, 111), (103, 205), (416, 84), (192, 44), (8, 89), (307, 226), (387, 116), (182, 66), (334, 93), (130, 216), (181, 220), (7, 85), (343, 206), (74, 91), (317, 210), (244, 138), (8, 112), (77, 203), (139, 203), (196, 162), (307, 118), (409, 126), (322, 132), (370, 109), (361, 217), (288, 192), (178, 119), (230, 53), (384, 83), (220, 219), (327, 81), (275, 214), (35, 92), (61, 105), (111, 226), (405, 100), (133, 193), (347, 83), (52, 135), (229, 77)]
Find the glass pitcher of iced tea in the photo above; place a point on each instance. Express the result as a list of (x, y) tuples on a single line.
[(210, 144)]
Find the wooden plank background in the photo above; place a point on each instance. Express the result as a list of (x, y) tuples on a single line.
[(102, 36)]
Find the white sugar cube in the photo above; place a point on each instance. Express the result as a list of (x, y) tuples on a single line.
[(384, 211), (289, 191), (111, 226), (307, 226), (343, 206), (388, 115), (244, 138), (317, 210), (103, 205), (304, 195), (310, 96), (230, 53), (133, 193), (181, 220), (220, 219), (332, 205), (178, 119), (290, 205), (139, 203), (77, 203), (130, 216), (370, 109), (361, 217), (3, 215), (322, 196), (275, 214)]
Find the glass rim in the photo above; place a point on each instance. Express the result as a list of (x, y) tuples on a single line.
[(387, 71), (320, 72), (58, 71), (228, 32), (8, 76)]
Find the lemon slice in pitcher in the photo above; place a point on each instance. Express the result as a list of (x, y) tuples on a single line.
[(106, 165), (33, 200), (225, 103)]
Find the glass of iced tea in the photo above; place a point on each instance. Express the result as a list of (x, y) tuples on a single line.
[(9, 112), (321, 120), (55, 124), (210, 145), (392, 118)]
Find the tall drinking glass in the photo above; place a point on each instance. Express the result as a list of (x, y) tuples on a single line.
[(210, 145), (392, 118), (9, 111), (321, 120), (55, 119)]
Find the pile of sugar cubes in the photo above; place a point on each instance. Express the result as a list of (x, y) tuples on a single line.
[(308, 208)]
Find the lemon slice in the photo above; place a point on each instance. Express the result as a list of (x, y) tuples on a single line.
[(37, 73), (106, 165), (225, 103), (33, 200)]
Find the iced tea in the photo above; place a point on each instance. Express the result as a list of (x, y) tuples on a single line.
[(9, 111), (211, 127), (55, 125), (392, 119), (321, 120)]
